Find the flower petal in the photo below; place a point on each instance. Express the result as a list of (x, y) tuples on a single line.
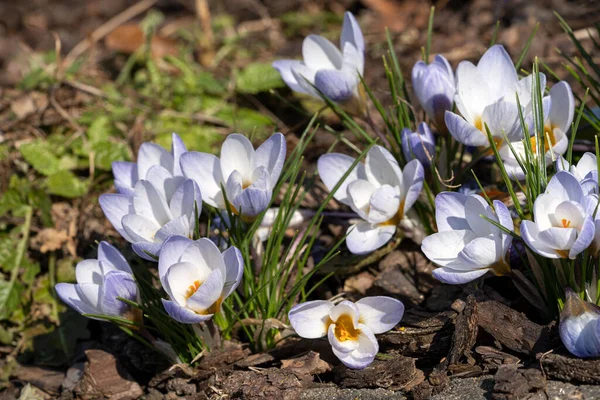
[(444, 247), (380, 313), (118, 284), (502, 118), (90, 294), (163, 181), (170, 254), (237, 154), (205, 170), (285, 68), (498, 70), (177, 149), (89, 271), (140, 228), (234, 270), (412, 177), (186, 199), (183, 314), (271, 156), (336, 85), (565, 186), (482, 252), (151, 154), (381, 167), (384, 204), (450, 211), (584, 238), (463, 131), (365, 237), (563, 106), (320, 53), (147, 250), (208, 293), (457, 277), (126, 176), (351, 33), (115, 207), (364, 354), (530, 233), (109, 256), (310, 319), (332, 168), (69, 296), (150, 203)]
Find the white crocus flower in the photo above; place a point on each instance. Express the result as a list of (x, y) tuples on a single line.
[(466, 245), (562, 227), (586, 171), (486, 95), (349, 327), (248, 176), (156, 210), (378, 191), (152, 159), (100, 282), (335, 73), (197, 277), (557, 123)]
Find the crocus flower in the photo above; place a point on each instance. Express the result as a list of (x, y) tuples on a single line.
[(585, 170), (466, 245), (349, 327), (557, 123), (378, 191), (247, 175), (335, 73), (419, 144), (156, 210), (152, 159), (486, 94), (561, 227), (435, 88), (197, 277), (579, 327), (99, 283), (591, 209)]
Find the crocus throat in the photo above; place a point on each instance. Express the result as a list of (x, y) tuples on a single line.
[(395, 220), (549, 139), (344, 329), (566, 223), (500, 268)]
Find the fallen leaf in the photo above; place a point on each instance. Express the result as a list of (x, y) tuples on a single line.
[(130, 37)]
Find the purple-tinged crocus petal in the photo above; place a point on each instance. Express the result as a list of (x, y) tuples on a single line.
[(183, 314)]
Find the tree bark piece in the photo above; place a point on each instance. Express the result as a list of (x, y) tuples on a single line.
[(512, 329)]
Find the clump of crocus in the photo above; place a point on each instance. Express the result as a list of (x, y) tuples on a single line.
[(434, 86), (248, 176), (156, 210), (378, 191), (333, 72), (418, 145), (349, 327), (152, 160), (197, 277), (100, 282), (467, 246), (562, 228), (579, 327)]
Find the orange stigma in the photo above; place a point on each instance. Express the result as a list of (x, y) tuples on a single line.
[(192, 289), (566, 223)]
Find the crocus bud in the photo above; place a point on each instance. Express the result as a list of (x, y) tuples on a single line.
[(419, 144), (579, 327), (434, 86), (99, 284)]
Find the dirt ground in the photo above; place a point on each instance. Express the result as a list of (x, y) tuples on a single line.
[(447, 334)]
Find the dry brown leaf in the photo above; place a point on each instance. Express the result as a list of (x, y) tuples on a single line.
[(29, 104), (50, 239), (130, 37)]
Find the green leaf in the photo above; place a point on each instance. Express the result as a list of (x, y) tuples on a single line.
[(66, 184), (10, 200), (101, 129), (106, 152), (245, 120), (258, 77), (10, 298), (40, 156)]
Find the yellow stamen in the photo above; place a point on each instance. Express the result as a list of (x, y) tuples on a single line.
[(566, 223), (344, 328), (192, 289)]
